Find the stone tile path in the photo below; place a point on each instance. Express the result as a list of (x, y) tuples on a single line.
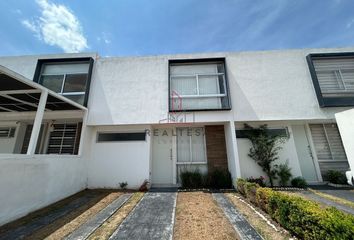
[(86, 229), (240, 224), (152, 218)]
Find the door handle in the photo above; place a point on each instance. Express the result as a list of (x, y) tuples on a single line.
[(171, 154)]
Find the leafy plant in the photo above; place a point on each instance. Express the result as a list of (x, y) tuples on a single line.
[(123, 185), (192, 179), (284, 173), (335, 177), (219, 179), (260, 181), (240, 185), (299, 182), (265, 149)]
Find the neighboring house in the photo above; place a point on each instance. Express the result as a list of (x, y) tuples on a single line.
[(75, 121)]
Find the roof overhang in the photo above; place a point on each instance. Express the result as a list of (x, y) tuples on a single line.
[(19, 94)]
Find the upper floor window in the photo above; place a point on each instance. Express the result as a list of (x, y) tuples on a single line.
[(69, 78), (198, 85), (333, 78)]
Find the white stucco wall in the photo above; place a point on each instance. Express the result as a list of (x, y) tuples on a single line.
[(26, 65), (30, 183), (114, 162), (264, 86), (249, 168), (345, 122)]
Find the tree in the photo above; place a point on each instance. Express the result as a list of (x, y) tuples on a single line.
[(265, 149)]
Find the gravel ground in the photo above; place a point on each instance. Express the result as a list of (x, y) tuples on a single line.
[(199, 218), (69, 225)]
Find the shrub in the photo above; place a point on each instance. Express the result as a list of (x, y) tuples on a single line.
[(299, 182), (123, 185), (304, 218), (262, 197), (284, 174), (240, 186), (192, 179), (335, 177), (260, 181), (307, 220), (219, 179), (250, 191)]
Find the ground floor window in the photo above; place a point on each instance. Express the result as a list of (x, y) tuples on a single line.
[(64, 138), (191, 150), (329, 148)]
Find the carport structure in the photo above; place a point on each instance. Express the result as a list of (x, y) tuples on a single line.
[(41, 139), (21, 98)]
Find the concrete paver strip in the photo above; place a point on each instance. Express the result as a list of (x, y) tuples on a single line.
[(328, 202), (152, 218), (240, 224), (27, 229), (86, 229), (345, 194)]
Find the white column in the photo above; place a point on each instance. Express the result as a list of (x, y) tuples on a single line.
[(345, 122), (37, 123), (232, 151)]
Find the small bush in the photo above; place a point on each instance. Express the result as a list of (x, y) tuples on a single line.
[(299, 182), (250, 191), (240, 186), (192, 179), (260, 181), (262, 197), (335, 177), (219, 179), (284, 174), (123, 185)]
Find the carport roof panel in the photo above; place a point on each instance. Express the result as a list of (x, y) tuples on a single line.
[(19, 94)]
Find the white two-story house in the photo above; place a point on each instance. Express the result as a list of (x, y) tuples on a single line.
[(75, 121)]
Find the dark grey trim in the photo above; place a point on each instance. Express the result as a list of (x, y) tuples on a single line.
[(196, 61), (244, 133), (120, 137), (90, 60), (325, 101)]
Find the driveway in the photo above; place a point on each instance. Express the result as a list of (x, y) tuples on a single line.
[(153, 218)]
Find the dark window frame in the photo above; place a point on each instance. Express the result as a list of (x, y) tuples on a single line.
[(196, 61), (284, 132), (326, 101), (89, 60), (122, 137)]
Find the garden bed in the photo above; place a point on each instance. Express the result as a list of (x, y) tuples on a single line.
[(266, 227), (304, 218)]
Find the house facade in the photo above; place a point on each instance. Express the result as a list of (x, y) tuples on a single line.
[(75, 121)]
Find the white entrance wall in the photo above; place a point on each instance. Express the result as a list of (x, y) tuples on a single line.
[(249, 168), (113, 162), (28, 183), (345, 122)]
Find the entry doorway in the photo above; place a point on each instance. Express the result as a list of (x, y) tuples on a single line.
[(163, 164)]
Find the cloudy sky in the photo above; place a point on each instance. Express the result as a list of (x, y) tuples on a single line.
[(150, 27)]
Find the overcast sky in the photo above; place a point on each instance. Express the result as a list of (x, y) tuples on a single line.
[(151, 27)]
